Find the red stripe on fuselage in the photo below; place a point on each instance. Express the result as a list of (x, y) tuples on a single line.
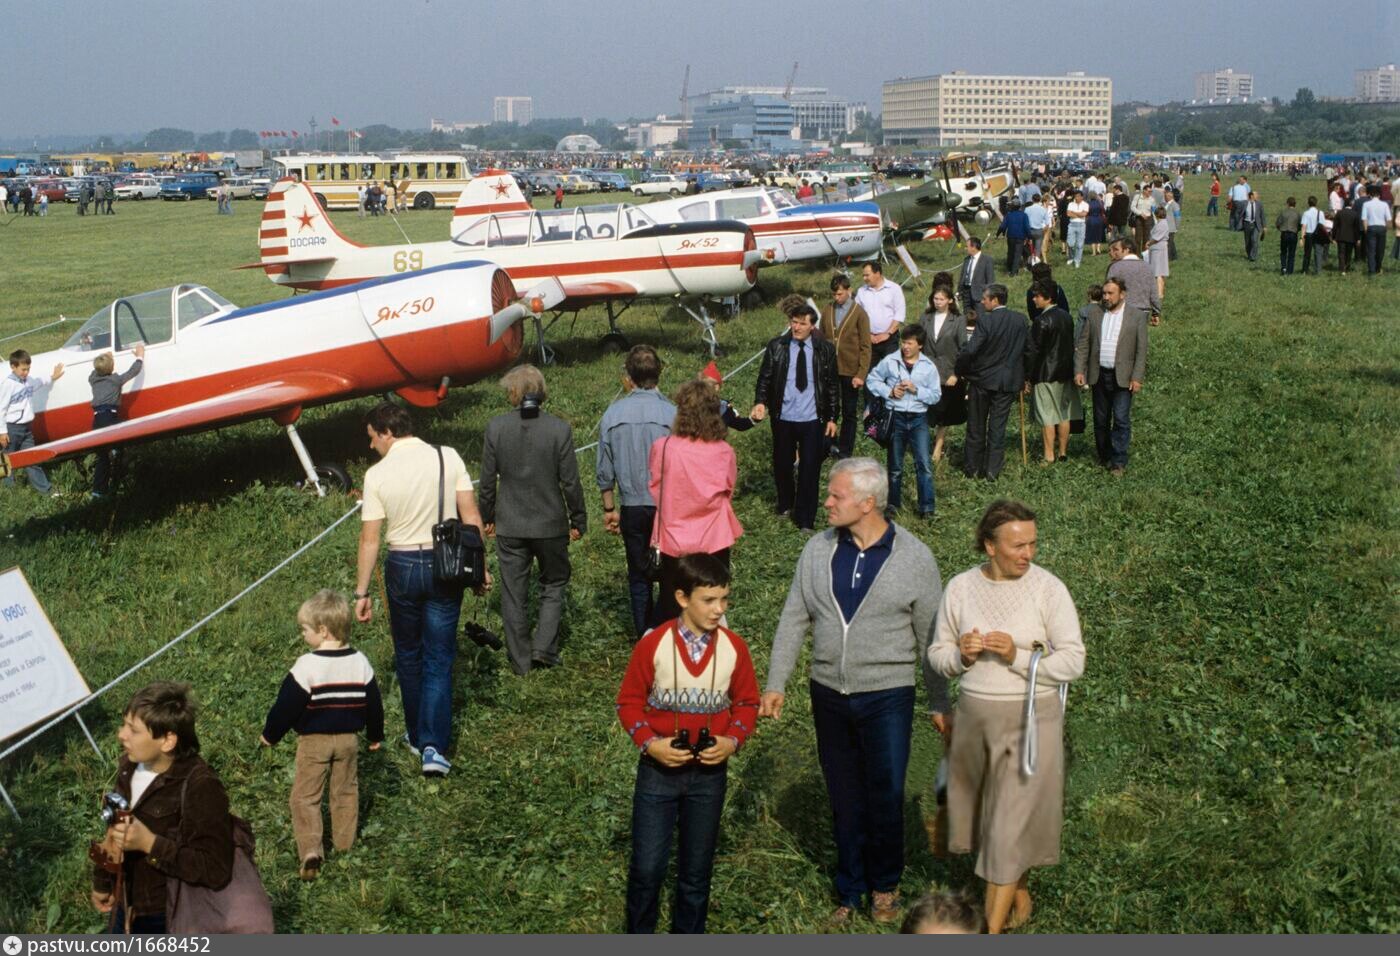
[(366, 364), (490, 208)]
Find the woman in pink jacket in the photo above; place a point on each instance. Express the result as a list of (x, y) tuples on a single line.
[(693, 473)]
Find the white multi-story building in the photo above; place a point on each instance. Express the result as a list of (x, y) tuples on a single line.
[(513, 109), (655, 133), (1381, 85), (817, 113), (1224, 85), (1072, 111), (450, 126)]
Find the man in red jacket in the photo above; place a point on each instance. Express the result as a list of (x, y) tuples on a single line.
[(688, 701)]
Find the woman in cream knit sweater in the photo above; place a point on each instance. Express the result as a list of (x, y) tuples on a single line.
[(990, 620)]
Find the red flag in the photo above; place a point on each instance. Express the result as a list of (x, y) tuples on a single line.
[(335, 121), (295, 134)]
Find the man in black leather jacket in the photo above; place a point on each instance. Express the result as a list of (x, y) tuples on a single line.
[(798, 385), (993, 363)]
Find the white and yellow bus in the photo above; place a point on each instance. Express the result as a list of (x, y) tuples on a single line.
[(428, 180)]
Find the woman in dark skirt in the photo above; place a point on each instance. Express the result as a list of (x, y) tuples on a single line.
[(1094, 224), (1062, 198), (947, 332)]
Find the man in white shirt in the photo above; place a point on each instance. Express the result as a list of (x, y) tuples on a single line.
[(1310, 222), (1239, 194), (17, 406), (1375, 216), (405, 493), (883, 303)]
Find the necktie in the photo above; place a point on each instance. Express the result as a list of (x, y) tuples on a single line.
[(802, 366)]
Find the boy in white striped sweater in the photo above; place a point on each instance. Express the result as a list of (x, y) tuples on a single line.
[(329, 696)]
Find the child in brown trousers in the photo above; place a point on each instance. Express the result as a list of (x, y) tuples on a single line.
[(329, 696)]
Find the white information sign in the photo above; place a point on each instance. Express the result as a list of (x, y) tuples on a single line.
[(37, 677), (907, 259)]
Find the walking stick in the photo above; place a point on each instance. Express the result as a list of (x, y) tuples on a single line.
[(1025, 459)]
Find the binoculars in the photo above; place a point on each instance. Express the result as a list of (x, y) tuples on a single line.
[(682, 741)]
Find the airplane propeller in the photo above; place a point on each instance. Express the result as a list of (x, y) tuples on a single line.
[(540, 298)]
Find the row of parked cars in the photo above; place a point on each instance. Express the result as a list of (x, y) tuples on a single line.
[(138, 186)]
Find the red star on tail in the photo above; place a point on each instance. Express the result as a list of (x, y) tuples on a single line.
[(305, 219), (502, 188)]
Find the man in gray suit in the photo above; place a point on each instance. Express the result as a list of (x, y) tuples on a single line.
[(533, 515), (977, 273), (1252, 222), (1136, 276), (1111, 357)]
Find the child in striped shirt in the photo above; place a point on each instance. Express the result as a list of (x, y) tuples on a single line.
[(329, 696)]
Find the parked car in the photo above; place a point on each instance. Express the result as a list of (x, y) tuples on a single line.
[(660, 185), (189, 186), (261, 186), (548, 182), (239, 187), (52, 188), (609, 181), (574, 183), (139, 187)]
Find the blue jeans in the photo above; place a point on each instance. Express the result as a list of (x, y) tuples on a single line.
[(863, 746), (1213, 207), (665, 798), (1075, 240), (423, 618), (636, 522), (1113, 419), (909, 432), (21, 437)]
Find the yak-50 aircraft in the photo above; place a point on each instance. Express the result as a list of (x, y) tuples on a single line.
[(605, 254), (787, 229), (211, 364)]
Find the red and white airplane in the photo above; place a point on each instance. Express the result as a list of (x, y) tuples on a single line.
[(210, 364), (599, 254), (785, 228)]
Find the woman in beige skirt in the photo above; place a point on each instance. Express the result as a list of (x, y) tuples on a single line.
[(991, 619)]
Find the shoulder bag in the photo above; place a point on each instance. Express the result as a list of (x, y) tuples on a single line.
[(459, 554), (241, 906), (654, 555)]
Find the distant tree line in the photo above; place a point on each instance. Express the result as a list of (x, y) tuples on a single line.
[(1305, 124), (541, 134)]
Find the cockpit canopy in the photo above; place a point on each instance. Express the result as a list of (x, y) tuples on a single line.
[(582, 223), (151, 318)]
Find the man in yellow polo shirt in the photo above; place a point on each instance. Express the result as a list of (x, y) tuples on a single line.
[(402, 501)]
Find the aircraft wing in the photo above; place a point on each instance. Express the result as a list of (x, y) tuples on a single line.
[(577, 294), (279, 393)]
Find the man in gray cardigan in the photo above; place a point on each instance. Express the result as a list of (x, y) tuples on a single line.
[(868, 592), (534, 514)]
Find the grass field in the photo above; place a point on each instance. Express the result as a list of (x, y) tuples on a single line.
[(1232, 745)]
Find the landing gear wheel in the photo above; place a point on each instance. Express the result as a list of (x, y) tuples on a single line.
[(333, 476), (424, 201), (614, 342)]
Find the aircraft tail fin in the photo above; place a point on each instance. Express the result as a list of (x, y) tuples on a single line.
[(494, 191), (295, 229)]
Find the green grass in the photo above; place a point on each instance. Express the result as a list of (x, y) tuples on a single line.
[(1232, 744)]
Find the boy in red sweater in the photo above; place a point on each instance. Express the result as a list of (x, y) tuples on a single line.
[(689, 700)]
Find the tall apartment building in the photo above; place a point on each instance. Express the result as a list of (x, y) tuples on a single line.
[(816, 112), (513, 109), (1224, 85), (1381, 85), (960, 109)]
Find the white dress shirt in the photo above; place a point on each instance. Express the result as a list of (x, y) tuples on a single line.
[(1108, 338), (1376, 212), (884, 306)]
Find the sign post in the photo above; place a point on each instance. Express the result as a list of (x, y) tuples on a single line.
[(37, 676)]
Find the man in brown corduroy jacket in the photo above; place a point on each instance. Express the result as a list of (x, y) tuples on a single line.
[(845, 325)]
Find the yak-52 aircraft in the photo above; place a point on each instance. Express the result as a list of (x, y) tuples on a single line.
[(605, 254), (787, 229), (211, 364)]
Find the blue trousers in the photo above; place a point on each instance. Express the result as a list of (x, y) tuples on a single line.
[(1213, 207), (863, 746), (667, 799), (102, 469), (21, 437), (636, 522), (909, 432), (1113, 419), (423, 618)]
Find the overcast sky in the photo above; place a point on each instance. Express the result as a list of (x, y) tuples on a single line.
[(90, 68)]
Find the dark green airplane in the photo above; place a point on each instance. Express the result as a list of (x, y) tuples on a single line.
[(917, 209)]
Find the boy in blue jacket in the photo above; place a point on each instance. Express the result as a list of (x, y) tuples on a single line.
[(908, 382)]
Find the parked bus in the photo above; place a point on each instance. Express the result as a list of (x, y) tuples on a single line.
[(428, 179)]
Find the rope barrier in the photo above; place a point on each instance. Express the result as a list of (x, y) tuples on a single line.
[(38, 328), (73, 710)]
